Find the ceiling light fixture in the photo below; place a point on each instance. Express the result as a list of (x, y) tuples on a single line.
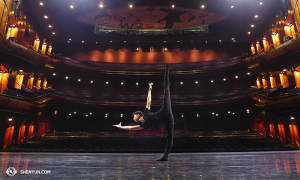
[(173, 6), (212, 81), (92, 82), (236, 77), (106, 82), (79, 80), (67, 77), (256, 16), (101, 5), (202, 6), (130, 5), (45, 17), (70, 39), (50, 26), (232, 6), (260, 3), (196, 82), (71, 6), (181, 82), (252, 25), (54, 74), (41, 3), (53, 32), (82, 41), (249, 32)]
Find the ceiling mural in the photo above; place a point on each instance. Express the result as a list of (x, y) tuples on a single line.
[(151, 17)]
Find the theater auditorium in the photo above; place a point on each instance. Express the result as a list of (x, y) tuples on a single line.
[(134, 89)]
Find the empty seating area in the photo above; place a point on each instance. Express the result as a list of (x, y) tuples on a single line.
[(87, 96), (187, 66), (105, 142)]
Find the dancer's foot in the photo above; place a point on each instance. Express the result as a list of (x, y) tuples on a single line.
[(164, 158)]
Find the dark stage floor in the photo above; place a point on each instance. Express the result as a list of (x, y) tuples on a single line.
[(240, 165)]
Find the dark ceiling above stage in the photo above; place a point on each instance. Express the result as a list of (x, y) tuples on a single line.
[(224, 22)]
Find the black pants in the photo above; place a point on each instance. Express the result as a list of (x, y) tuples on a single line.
[(166, 113)]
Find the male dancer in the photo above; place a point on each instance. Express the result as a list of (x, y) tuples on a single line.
[(164, 115)]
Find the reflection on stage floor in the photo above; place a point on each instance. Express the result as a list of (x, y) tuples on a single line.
[(232, 165)]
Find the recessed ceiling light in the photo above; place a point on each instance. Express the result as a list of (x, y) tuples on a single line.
[(232, 38), (248, 73), (82, 41), (101, 5), (67, 77), (256, 16), (121, 115), (196, 82), (249, 32), (173, 6), (122, 83), (202, 6), (71, 6), (50, 26), (70, 39), (106, 82), (182, 116), (228, 112), (130, 5), (178, 41), (137, 83), (181, 82), (252, 25), (205, 41), (53, 32), (124, 41), (212, 81), (74, 112), (41, 3), (224, 79), (96, 42), (79, 80), (70, 114), (260, 3), (92, 82), (236, 77), (110, 41), (91, 113), (213, 113), (232, 6), (165, 41), (86, 115), (54, 74), (45, 17)]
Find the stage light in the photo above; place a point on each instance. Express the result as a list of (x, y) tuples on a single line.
[(220, 41), (197, 114), (74, 112), (232, 6), (248, 111), (202, 6), (166, 49), (91, 113), (106, 114), (92, 82), (137, 49), (130, 5), (233, 113), (248, 73), (137, 83), (122, 83), (228, 112), (106, 82), (292, 118), (82, 41), (101, 5), (173, 6), (217, 114), (196, 82), (213, 113), (67, 77), (54, 74), (181, 82), (53, 32), (256, 16), (224, 79), (50, 26), (252, 25), (165, 41), (236, 77), (45, 17), (121, 115), (55, 112), (68, 41), (79, 80), (124, 41), (212, 81), (249, 32), (71, 6), (41, 3), (70, 114), (260, 3), (110, 41), (178, 41), (86, 115), (10, 119), (284, 70), (182, 116), (232, 39), (205, 41)]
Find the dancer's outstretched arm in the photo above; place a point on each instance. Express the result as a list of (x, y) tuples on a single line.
[(137, 127), (149, 97)]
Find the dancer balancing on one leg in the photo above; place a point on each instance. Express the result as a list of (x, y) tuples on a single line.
[(164, 115)]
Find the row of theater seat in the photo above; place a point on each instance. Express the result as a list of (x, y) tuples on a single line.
[(141, 98), (150, 143), (200, 65)]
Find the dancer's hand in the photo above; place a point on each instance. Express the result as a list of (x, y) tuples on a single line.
[(150, 86), (118, 125)]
